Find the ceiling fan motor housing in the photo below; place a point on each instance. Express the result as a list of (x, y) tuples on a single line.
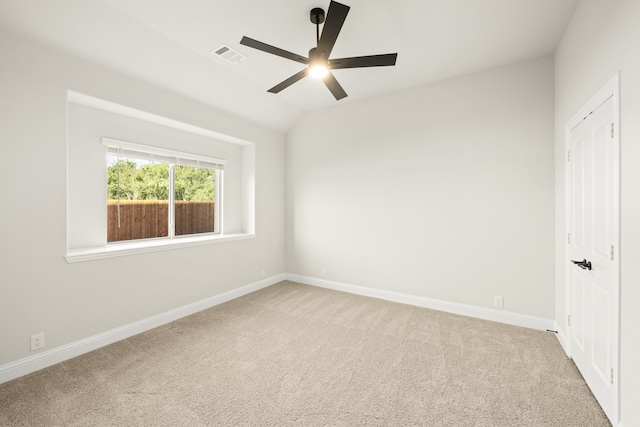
[(317, 55), (317, 15)]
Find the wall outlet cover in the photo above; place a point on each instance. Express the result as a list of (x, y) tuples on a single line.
[(37, 341)]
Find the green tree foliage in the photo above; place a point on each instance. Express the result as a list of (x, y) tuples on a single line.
[(194, 184), (120, 176), (128, 180)]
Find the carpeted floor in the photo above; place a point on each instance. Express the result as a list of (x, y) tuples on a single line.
[(293, 354)]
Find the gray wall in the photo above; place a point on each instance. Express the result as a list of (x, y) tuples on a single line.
[(39, 291), (443, 191), (602, 39)]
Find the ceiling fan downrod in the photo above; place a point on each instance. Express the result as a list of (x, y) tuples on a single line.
[(317, 17)]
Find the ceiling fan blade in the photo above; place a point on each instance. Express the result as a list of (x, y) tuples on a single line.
[(291, 80), (364, 61), (336, 15), (334, 87), (247, 41)]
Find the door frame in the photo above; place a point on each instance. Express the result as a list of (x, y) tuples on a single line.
[(612, 88)]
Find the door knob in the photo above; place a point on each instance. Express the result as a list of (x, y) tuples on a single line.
[(584, 264)]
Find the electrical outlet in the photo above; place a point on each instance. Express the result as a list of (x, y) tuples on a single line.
[(498, 302), (263, 272), (37, 341), (322, 273)]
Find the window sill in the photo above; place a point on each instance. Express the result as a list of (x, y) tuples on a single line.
[(132, 248)]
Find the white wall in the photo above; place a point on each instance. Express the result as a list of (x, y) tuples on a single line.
[(602, 39), (39, 291), (443, 191)]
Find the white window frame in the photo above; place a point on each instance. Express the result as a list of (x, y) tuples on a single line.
[(84, 234), (134, 150)]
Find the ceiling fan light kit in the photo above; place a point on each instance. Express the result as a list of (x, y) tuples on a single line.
[(318, 63)]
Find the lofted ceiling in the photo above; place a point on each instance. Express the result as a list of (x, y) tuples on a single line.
[(169, 42)]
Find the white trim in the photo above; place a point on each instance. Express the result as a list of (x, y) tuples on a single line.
[(39, 361), (510, 318), (611, 89), (45, 359), (148, 149), (112, 107), (218, 211), (247, 207), (152, 245), (607, 91), (568, 212), (562, 339)]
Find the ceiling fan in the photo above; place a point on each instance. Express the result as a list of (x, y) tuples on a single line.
[(318, 62)]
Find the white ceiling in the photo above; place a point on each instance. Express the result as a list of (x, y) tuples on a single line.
[(169, 43)]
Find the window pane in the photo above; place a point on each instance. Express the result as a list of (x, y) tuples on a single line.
[(137, 199), (194, 199)]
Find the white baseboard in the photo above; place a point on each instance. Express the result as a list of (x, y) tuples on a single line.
[(48, 358), (51, 357), (501, 316)]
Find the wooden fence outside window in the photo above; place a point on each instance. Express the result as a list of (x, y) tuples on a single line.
[(144, 219)]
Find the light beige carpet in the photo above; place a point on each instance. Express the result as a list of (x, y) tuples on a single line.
[(297, 355)]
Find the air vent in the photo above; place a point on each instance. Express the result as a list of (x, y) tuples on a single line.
[(230, 55)]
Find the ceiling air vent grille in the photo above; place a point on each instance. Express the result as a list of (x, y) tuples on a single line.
[(230, 55)]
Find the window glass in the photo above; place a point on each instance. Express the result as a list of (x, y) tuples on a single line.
[(194, 199), (140, 203), (137, 199)]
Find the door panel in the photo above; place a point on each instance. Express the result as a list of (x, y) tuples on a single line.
[(601, 139), (577, 154), (591, 220), (578, 313), (601, 326)]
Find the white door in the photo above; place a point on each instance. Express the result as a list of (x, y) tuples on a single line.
[(592, 249)]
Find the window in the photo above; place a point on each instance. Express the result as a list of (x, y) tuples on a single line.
[(154, 193), (92, 121)]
